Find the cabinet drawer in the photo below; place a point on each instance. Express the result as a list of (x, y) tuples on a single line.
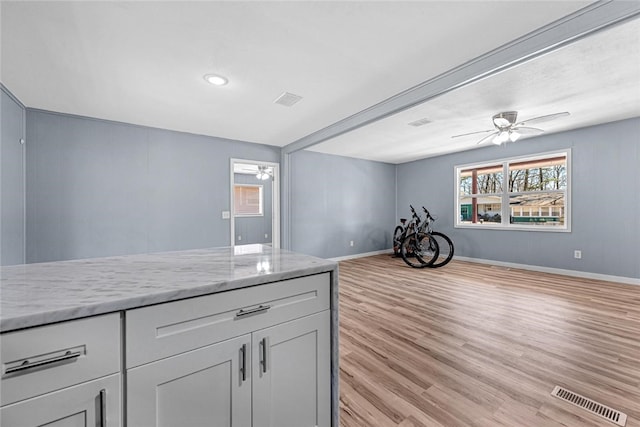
[(48, 358), (164, 330), (91, 404)]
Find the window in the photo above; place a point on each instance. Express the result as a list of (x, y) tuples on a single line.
[(521, 193), (247, 200)]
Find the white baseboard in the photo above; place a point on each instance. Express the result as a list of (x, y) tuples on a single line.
[(366, 254), (574, 273)]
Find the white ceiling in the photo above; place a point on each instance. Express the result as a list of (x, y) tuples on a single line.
[(596, 80), (143, 63)]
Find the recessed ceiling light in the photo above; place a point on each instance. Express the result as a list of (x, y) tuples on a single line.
[(216, 80)]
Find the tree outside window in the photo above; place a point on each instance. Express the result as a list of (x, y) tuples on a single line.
[(535, 196)]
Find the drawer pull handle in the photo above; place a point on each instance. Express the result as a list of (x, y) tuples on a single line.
[(243, 362), (103, 408), (260, 309), (25, 365), (264, 347)]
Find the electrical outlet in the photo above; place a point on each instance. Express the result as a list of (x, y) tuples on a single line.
[(226, 215), (577, 254), (266, 236), (239, 238), (351, 243)]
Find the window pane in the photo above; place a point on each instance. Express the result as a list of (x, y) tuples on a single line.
[(543, 209), (247, 200), (536, 188), (488, 179), (489, 212), (538, 175), (465, 184), (480, 210)]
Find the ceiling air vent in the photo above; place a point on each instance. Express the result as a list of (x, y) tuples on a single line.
[(287, 99), (420, 122)]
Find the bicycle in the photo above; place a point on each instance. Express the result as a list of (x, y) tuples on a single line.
[(402, 230), (445, 244), (399, 234), (417, 249)]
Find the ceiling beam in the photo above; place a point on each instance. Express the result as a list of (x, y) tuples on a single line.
[(593, 18)]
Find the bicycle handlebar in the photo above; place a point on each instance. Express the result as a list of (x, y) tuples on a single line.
[(414, 214), (427, 212)]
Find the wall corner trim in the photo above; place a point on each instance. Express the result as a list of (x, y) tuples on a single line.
[(12, 96)]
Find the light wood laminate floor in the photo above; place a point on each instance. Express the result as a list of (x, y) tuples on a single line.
[(476, 345)]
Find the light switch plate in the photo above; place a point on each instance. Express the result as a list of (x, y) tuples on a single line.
[(226, 215)]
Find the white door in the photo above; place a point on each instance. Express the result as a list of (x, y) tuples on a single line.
[(292, 374), (206, 387), (91, 404)]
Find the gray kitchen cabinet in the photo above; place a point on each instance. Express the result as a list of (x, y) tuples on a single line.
[(210, 386), (253, 357), (65, 374), (91, 404), (291, 387), (192, 338)]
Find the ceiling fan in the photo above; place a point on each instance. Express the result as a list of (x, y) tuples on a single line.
[(263, 173), (507, 129)]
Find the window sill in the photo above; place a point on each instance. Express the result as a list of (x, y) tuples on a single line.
[(515, 228)]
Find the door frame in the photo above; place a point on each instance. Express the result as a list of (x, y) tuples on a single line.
[(275, 202)]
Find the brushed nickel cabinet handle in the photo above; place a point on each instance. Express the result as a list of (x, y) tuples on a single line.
[(103, 408), (243, 362), (260, 309), (264, 346), (26, 365)]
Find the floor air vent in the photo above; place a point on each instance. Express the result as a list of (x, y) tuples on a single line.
[(592, 406)]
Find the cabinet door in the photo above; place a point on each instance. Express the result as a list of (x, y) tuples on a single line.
[(91, 404), (199, 388), (292, 374)]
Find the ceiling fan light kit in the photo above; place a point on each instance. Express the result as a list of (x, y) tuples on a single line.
[(504, 120), (507, 129), (263, 173), (505, 136)]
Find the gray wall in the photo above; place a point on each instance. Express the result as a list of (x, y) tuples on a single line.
[(253, 229), (605, 194), (99, 188), (12, 192), (334, 200)]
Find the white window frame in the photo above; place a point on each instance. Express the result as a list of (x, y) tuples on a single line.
[(506, 210), (261, 207)]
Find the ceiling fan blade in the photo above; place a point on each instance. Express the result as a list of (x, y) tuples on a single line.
[(541, 119), (524, 130), (486, 138), (472, 133)]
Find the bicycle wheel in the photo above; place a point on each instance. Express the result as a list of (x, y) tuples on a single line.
[(445, 246), (397, 240), (419, 250)]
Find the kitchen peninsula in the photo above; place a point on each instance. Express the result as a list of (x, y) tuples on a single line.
[(240, 337)]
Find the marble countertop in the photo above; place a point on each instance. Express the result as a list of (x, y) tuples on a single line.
[(38, 294)]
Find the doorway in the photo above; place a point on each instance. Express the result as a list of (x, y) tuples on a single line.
[(255, 203)]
